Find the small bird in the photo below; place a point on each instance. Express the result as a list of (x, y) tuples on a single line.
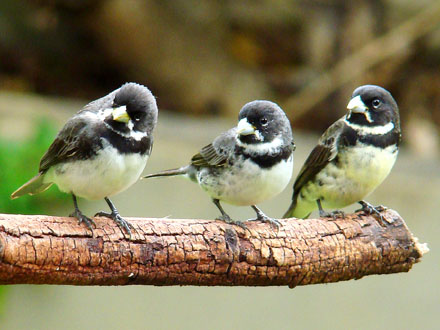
[(101, 151), (247, 164), (352, 158)]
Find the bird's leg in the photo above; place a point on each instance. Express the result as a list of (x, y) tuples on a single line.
[(225, 217), (324, 214), (81, 217), (264, 218), (367, 208), (121, 222)]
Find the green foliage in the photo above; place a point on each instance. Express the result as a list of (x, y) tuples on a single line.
[(18, 163)]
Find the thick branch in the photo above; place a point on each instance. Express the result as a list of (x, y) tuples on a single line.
[(56, 250)]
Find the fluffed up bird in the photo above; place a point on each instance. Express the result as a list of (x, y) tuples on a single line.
[(100, 151), (352, 158), (247, 164)]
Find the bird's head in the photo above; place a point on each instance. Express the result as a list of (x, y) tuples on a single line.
[(134, 107), (262, 122), (372, 105)]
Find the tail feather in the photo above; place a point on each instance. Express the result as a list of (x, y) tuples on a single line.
[(32, 187), (299, 211), (172, 172), (291, 210)]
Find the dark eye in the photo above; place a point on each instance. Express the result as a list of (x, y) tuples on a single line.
[(263, 121), (376, 103), (136, 116)]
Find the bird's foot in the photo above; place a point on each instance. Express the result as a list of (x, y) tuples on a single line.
[(265, 218), (120, 221), (333, 214), (82, 218), (226, 218), (369, 209)]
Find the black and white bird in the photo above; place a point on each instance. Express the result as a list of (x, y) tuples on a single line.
[(352, 158), (100, 151), (247, 164)]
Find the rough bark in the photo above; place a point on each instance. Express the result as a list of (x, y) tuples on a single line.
[(39, 249)]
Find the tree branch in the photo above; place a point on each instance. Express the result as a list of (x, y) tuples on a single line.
[(57, 250)]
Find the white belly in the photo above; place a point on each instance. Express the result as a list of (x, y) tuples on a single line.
[(248, 184), (360, 171), (105, 175)]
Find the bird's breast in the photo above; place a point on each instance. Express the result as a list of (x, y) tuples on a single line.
[(353, 175), (106, 174), (246, 183), (368, 165)]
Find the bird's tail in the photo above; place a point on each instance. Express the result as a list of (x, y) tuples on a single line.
[(32, 187), (173, 172), (299, 211), (291, 210)]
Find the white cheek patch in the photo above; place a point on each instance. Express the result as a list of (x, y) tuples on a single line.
[(367, 115), (136, 135), (101, 115), (259, 136)]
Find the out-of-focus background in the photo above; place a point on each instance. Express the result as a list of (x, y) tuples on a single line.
[(204, 60)]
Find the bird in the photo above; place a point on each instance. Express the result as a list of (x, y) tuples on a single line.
[(100, 151), (247, 164), (352, 158)]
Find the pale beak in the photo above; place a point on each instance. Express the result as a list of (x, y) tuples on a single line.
[(120, 114), (244, 128), (356, 105)]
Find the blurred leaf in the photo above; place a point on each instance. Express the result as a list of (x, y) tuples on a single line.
[(18, 163)]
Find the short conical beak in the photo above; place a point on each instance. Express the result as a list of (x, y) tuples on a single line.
[(244, 128), (356, 105), (120, 114)]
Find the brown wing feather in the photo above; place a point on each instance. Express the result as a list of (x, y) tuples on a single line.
[(208, 157), (66, 145), (318, 158), (321, 155), (217, 153)]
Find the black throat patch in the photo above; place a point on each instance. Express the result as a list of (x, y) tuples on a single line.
[(266, 160), (127, 145), (351, 136)]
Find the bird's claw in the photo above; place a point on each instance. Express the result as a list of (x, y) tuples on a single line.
[(83, 219), (334, 214), (226, 218), (265, 218), (369, 209), (120, 221)]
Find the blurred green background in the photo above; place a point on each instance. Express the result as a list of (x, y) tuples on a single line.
[(204, 60)]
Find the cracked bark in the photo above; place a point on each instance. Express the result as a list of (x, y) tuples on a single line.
[(57, 250)]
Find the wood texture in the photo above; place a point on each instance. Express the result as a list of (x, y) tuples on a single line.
[(41, 249)]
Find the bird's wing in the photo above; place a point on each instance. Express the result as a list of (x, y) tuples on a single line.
[(217, 153), (74, 141), (321, 155)]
